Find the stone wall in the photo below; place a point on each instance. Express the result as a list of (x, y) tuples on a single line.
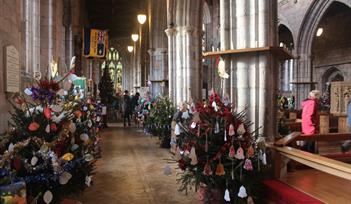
[(10, 34), (339, 58), (291, 13), (302, 19), (36, 29)]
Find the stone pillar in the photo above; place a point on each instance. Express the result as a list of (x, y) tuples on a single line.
[(32, 39), (179, 88), (184, 50), (158, 70), (158, 46), (50, 31), (171, 63), (253, 80), (67, 22), (225, 26)]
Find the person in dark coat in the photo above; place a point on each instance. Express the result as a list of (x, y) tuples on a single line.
[(135, 100), (126, 108)]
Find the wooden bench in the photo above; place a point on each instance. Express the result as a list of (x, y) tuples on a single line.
[(282, 154), (320, 139)]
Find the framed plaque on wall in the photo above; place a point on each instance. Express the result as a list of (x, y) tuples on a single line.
[(12, 65)]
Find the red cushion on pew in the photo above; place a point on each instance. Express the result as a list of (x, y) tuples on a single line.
[(282, 193)]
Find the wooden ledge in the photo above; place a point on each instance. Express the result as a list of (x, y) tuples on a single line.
[(287, 139), (157, 80), (279, 51), (297, 136), (325, 137), (318, 162), (303, 82)]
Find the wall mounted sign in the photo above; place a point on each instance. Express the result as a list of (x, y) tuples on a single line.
[(12, 64)]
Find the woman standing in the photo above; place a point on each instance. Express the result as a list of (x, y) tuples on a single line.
[(309, 120)]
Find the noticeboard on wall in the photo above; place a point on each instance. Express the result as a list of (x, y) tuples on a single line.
[(12, 65)]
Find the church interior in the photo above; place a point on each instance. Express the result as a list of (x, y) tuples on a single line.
[(175, 101)]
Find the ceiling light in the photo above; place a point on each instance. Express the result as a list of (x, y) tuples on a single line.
[(141, 18), (135, 37), (130, 48), (319, 32)]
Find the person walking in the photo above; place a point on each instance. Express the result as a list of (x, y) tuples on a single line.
[(309, 121), (126, 108)]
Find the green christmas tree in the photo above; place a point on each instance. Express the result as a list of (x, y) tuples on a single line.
[(106, 92), (217, 153), (159, 120), (106, 87)]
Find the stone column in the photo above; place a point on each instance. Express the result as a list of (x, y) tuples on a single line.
[(185, 49), (179, 88), (225, 26), (242, 65), (51, 31), (158, 71), (253, 80), (231, 31), (158, 46), (171, 68)]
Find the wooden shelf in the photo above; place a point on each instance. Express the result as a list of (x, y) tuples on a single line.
[(304, 82), (279, 51), (164, 80)]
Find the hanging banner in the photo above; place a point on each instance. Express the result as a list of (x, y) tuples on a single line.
[(95, 43)]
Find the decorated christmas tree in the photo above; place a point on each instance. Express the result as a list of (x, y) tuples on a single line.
[(218, 154), (106, 87), (106, 93), (159, 120), (51, 144)]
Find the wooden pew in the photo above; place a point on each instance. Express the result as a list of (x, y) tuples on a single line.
[(283, 154), (335, 138)]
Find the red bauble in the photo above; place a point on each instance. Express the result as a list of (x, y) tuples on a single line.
[(53, 127), (47, 113), (33, 126)]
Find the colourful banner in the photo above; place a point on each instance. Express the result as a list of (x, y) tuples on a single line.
[(95, 43)]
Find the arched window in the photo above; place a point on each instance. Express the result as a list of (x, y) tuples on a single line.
[(331, 75), (286, 68), (31, 16), (114, 63)]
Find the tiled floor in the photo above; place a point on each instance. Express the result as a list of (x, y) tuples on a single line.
[(131, 171)]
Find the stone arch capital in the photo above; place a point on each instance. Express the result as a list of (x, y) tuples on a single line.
[(170, 31)]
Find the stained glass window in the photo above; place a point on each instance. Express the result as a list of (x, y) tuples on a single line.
[(115, 66)]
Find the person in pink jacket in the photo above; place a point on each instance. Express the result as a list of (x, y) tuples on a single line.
[(309, 120)]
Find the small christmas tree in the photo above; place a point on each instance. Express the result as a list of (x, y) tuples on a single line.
[(159, 120), (106, 87), (106, 92), (217, 153)]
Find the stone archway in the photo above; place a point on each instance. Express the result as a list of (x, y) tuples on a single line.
[(331, 75), (286, 40), (303, 67), (310, 23)]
